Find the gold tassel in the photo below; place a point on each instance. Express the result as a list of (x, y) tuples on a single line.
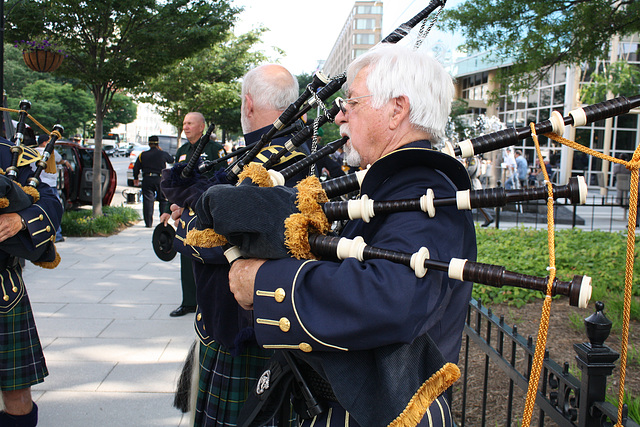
[(204, 238), (257, 174), (4, 202), (426, 394), (35, 195), (49, 264), (311, 218)]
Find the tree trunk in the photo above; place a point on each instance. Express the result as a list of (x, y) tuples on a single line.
[(96, 187)]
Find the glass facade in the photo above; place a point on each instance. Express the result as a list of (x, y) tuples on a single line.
[(554, 93)]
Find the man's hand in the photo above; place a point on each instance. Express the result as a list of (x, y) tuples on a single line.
[(10, 225), (242, 278), (176, 213), (164, 218)]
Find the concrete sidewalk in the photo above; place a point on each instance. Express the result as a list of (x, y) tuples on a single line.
[(113, 352)]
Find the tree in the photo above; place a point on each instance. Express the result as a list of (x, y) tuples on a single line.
[(54, 103), (207, 82), (618, 78), (536, 35), (116, 45)]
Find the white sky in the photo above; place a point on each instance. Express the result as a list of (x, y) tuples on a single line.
[(307, 30)]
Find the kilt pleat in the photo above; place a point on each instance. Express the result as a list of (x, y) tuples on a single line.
[(22, 362), (225, 382)]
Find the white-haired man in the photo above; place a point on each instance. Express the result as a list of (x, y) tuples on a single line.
[(375, 332)]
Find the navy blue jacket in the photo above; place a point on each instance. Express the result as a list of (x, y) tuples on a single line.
[(42, 218)]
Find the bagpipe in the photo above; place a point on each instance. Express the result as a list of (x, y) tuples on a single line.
[(14, 196)]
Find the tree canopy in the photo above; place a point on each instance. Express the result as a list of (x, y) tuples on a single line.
[(115, 45), (208, 82), (536, 35)]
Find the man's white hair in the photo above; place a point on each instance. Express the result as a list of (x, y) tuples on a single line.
[(396, 70), (270, 90)]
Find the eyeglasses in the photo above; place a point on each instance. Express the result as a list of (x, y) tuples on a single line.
[(342, 103)]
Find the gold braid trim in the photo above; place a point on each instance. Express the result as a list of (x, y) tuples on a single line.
[(2, 172), (49, 264), (310, 219), (257, 174), (35, 195), (204, 238), (4, 202), (426, 394)]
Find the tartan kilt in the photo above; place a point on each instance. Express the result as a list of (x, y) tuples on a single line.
[(22, 362), (226, 381)]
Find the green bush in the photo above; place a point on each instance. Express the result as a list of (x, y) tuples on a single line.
[(598, 254), (81, 223)]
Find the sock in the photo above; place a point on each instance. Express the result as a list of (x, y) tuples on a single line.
[(29, 420)]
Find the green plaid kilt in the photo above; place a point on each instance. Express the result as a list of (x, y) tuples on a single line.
[(225, 383), (22, 362)]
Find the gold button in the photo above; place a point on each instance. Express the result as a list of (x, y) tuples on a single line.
[(280, 294), (6, 297), (199, 317), (14, 289), (53, 238), (285, 325), (191, 212), (305, 347), (41, 217), (47, 228)]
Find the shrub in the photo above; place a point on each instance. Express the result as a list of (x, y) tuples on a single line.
[(81, 223)]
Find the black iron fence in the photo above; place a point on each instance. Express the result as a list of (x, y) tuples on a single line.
[(562, 398), (600, 212)]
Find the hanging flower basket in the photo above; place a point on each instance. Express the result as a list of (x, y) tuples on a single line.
[(43, 61)]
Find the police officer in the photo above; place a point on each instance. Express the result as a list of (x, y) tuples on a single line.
[(151, 162)]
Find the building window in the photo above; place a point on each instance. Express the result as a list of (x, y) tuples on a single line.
[(364, 39), (373, 10), (364, 24)]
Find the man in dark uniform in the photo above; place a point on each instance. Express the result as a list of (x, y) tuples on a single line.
[(229, 359), (360, 324), (151, 162), (27, 230), (193, 127)]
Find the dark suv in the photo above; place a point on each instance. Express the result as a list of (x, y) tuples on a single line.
[(75, 182)]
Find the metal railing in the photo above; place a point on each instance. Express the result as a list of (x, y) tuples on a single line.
[(606, 213), (562, 399)]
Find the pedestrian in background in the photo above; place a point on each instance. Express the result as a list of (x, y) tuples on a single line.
[(151, 163)]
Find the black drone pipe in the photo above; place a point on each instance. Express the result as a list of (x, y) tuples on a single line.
[(195, 158), (578, 117), (364, 208), (18, 138), (302, 136), (41, 164), (578, 290), (405, 28)]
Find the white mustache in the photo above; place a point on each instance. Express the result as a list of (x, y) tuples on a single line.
[(344, 130)]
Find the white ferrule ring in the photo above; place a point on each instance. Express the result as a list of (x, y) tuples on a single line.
[(557, 123), (463, 199), (466, 148), (418, 260), (232, 254), (585, 292), (456, 268), (276, 177), (579, 117)]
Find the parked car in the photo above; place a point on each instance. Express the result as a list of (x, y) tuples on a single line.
[(165, 142), (75, 182)]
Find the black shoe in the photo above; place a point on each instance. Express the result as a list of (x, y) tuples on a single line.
[(487, 223), (182, 310)]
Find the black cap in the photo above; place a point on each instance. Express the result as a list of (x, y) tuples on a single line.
[(153, 139), (162, 242), (43, 138)]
